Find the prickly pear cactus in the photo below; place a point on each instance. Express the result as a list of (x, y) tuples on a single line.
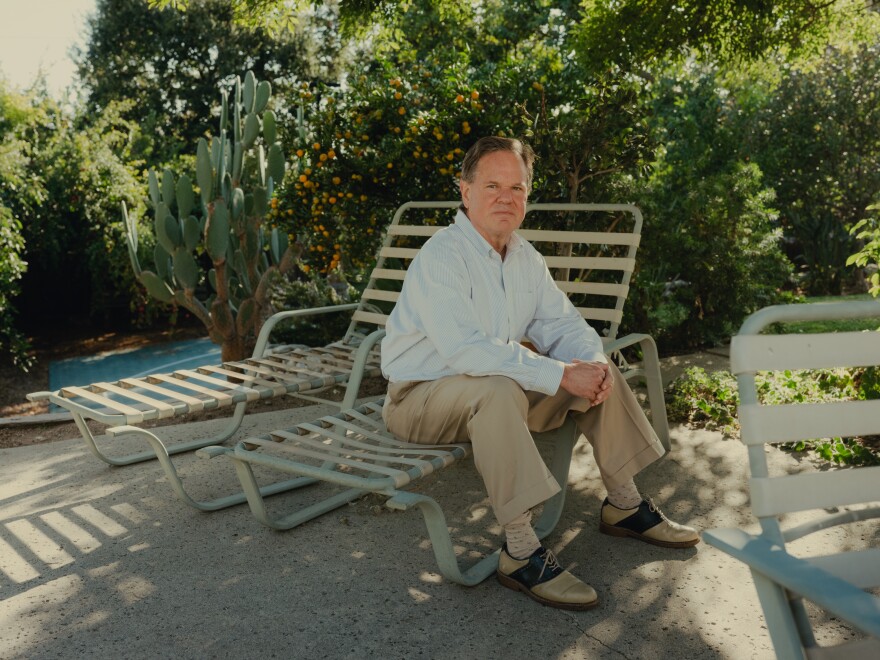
[(213, 254)]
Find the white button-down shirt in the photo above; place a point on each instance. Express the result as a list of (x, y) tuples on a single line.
[(463, 310)]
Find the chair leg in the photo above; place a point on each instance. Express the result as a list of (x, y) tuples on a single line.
[(139, 457), (441, 542), (563, 440), (256, 497), (781, 623), (656, 398), (160, 452)]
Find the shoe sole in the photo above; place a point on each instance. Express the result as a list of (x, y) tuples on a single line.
[(510, 583), (611, 530)]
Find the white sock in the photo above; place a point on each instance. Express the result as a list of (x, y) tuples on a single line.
[(625, 496), (521, 538)]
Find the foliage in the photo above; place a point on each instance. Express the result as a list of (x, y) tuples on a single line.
[(274, 15), (627, 33), (867, 230), (710, 400), (396, 133), (636, 33), (710, 209), (16, 197), (87, 173), (315, 330), (704, 399), (819, 147), (399, 128), (171, 64), (222, 229)]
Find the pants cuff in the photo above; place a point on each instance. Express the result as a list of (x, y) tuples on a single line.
[(525, 501)]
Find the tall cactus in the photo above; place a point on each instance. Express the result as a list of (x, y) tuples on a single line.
[(235, 177)]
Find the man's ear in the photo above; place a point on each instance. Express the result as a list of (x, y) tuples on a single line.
[(465, 189)]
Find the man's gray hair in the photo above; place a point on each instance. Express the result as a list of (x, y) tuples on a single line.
[(488, 145)]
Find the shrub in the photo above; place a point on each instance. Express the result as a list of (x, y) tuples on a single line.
[(820, 149), (318, 330), (711, 210), (709, 400)]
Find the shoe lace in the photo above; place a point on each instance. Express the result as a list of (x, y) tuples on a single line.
[(653, 508), (550, 562)]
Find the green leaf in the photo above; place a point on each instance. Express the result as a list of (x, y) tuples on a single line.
[(172, 231), (186, 271), (237, 204), (162, 260), (168, 192), (153, 184), (237, 162), (160, 226), (192, 232), (185, 196), (278, 242), (276, 164), (247, 314), (249, 91), (217, 233), (270, 129), (224, 111), (251, 130), (204, 173), (156, 286), (261, 202), (264, 91)]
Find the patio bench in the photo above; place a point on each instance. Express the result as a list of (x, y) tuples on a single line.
[(355, 452), (593, 264), (794, 506)]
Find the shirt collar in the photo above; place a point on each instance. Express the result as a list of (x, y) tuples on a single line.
[(514, 244)]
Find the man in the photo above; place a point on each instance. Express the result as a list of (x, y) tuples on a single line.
[(458, 371)]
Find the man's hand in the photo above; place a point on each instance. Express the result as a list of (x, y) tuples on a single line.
[(589, 380)]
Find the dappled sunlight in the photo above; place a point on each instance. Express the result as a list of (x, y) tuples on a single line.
[(479, 513), (104, 523), (35, 541), (14, 566), (25, 613), (418, 596), (429, 577), (133, 588), (132, 550), (35, 546), (71, 532)]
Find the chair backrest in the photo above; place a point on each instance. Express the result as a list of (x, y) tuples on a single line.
[(590, 249), (765, 423)]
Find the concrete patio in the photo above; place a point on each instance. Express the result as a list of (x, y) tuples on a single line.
[(104, 562)]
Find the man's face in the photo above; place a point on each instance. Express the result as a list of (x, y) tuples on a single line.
[(495, 200)]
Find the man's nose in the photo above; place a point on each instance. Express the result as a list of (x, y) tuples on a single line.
[(505, 196)]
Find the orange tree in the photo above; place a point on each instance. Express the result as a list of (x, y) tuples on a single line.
[(397, 132)]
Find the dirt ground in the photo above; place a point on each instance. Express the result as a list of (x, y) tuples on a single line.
[(16, 384)]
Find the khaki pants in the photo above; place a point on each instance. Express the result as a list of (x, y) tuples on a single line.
[(497, 416)]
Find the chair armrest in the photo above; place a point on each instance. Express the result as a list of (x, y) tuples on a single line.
[(650, 371), (611, 345), (272, 321), (857, 607), (357, 369)]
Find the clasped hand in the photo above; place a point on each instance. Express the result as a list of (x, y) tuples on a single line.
[(589, 380)]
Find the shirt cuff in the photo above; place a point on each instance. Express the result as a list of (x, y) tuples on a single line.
[(549, 376)]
